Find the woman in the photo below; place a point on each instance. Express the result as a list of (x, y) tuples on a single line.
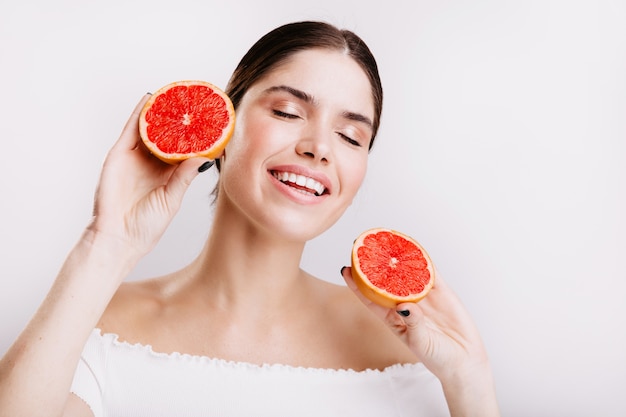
[(243, 330)]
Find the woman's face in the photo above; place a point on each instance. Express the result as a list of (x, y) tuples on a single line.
[(300, 147)]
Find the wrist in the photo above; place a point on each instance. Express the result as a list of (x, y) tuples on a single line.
[(107, 257), (110, 244), (470, 391)]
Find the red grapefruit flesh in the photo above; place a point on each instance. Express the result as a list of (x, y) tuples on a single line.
[(186, 119), (390, 267)]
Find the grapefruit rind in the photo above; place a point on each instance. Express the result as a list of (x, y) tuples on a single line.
[(211, 152), (379, 295)]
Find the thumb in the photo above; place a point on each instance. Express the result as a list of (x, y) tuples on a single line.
[(183, 175), (418, 332), (412, 316)]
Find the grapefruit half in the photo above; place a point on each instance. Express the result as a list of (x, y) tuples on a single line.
[(185, 119), (390, 267)]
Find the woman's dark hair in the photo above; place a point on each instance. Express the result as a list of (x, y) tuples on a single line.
[(281, 43)]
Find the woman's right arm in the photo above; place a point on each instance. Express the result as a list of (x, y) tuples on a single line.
[(136, 198)]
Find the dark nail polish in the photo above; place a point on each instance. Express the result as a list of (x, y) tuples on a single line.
[(205, 166), (404, 313), (343, 269)]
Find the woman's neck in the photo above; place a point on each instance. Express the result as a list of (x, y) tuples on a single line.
[(242, 265)]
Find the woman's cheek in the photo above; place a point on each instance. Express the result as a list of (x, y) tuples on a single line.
[(353, 174)]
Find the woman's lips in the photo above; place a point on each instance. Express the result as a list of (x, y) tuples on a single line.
[(303, 179), (300, 182)]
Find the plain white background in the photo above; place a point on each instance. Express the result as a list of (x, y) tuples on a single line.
[(502, 150)]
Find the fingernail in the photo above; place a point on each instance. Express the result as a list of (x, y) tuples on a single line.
[(343, 269), (149, 93), (404, 313), (205, 166)]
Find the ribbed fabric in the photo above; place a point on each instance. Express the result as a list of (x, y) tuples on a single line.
[(120, 379)]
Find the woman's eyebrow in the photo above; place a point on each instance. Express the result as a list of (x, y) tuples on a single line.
[(357, 117), (307, 98)]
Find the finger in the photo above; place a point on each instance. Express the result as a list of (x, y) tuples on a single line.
[(346, 273), (182, 177), (438, 281), (129, 138)]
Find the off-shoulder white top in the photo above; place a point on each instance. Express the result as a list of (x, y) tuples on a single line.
[(120, 379)]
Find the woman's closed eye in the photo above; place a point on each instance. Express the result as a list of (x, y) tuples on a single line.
[(348, 139), (284, 114)]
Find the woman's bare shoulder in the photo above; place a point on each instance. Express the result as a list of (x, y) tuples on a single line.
[(132, 306), (358, 331)]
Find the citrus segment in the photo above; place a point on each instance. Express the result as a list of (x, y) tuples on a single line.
[(186, 119), (390, 268)]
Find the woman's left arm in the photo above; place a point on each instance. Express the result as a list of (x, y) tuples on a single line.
[(441, 333)]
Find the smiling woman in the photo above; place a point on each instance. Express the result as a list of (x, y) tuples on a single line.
[(243, 330)]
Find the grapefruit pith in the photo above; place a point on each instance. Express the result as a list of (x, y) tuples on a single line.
[(185, 119), (390, 267)]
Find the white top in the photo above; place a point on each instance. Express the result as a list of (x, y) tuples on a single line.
[(121, 379)]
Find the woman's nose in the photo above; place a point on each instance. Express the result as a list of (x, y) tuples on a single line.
[(314, 145)]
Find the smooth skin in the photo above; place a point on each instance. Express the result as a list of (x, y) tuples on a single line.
[(246, 287)]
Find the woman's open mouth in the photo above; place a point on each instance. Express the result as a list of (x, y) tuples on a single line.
[(301, 183)]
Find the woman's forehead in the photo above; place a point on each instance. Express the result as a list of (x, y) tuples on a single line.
[(324, 75)]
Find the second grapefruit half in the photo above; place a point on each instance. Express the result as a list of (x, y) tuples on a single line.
[(390, 267)]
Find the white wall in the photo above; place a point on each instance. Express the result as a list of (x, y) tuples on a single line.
[(503, 150)]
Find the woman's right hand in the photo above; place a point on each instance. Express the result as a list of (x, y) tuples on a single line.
[(138, 195)]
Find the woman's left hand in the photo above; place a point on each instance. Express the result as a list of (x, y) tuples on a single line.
[(442, 335)]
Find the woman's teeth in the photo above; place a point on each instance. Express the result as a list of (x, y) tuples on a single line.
[(307, 184)]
